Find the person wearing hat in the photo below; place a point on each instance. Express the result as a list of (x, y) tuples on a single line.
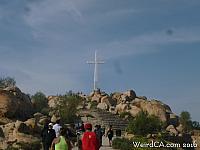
[(48, 134), (89, 139)]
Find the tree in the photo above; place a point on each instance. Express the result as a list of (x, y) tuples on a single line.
[(7, 82), (144, 124), (185, 120), (39, 101), (67, 107), (196, 125)]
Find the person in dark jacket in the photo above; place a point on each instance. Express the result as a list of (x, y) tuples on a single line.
[(48, 134), (45, 128), (99, 134)]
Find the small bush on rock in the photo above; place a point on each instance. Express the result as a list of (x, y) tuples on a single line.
[(144, 124), (7, 82)]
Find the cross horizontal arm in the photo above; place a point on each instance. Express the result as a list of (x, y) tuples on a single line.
[(100, 62), (90, 62), (93, 62)]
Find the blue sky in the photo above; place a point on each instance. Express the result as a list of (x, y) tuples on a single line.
[(152, 47)]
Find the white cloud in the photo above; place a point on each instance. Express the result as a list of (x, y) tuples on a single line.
[(120, 12), (49, 11), (179, 35), (151, 42)]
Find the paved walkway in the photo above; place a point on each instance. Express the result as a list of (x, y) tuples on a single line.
[(105, 144), (104, 147)]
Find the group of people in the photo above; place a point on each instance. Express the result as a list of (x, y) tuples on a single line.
[(56, 137), (53, 137), (92, 140)]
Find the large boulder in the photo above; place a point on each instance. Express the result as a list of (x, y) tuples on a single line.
[(134, 110), (108, 100), (103, 106), (54, 118), (122, 108), (1, 133), (172, 130), (16, 132), (31, 123), (142, 97), (43, 120), (14, 90), (53, 101), (117, 97), (39, 119), (15, 104), (131, 94), (152, 107), (96, 95), (96, 98), (38, 115), (112, 109), (155, 108), (180, 128), (123, 97), (196, 139), (22, 127), (173, 119), (4, 120)]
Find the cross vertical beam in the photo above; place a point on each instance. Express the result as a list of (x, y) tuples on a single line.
[(95, 62)]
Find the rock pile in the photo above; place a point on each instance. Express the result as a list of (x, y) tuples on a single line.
[(128, 101), (52, 101), (18, 124), (21, 132), (15, 104)]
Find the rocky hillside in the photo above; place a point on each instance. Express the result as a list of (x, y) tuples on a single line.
[(18, 124), (128, 101)]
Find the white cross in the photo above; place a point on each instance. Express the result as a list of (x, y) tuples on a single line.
[(95, 62)]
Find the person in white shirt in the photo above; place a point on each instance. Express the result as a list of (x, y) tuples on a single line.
[(57, 127)]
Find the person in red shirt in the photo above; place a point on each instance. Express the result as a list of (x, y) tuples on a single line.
[(89, 139)]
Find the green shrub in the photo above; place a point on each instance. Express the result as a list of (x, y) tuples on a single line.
[(122, 144), (39, 101), (185, 120), (7, 82), (94, 104), (67, 107), (126, 115), (45, 111), (144, 124), (196, 125)]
